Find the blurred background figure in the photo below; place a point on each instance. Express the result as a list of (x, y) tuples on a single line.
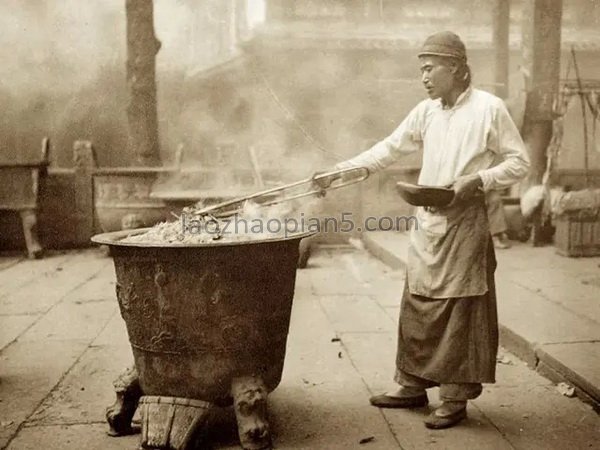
[(495, 208), (497, 219)]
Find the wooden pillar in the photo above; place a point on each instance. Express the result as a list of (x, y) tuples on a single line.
[(84, 162), (241, 20), (142, 115), (541, 61), (501, 23)]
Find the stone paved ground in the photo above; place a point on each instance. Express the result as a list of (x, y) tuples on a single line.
[(62, 342)]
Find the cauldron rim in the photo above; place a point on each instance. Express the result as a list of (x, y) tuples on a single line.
[(114, 238)]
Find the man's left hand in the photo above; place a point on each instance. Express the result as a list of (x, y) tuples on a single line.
[(467, 187)]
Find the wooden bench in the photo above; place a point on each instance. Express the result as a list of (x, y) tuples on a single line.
[(19, 190)]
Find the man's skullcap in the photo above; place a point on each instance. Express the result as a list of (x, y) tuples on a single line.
[(444, 43)]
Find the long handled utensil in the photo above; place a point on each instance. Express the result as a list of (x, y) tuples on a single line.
[(337, 179)]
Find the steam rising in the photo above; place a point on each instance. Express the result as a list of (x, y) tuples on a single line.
[(63, 76), (253, 222)]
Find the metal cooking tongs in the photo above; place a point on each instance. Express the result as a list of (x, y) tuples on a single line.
[(337, 179)]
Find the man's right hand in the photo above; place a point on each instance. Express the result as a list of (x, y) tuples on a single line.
[(324, 181)]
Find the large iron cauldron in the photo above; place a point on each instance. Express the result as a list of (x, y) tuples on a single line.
[(206, 322)]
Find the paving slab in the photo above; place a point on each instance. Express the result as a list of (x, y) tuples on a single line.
[(25, 271), (114, 333), (359, 262), (475, 433), (373, 356), (86, 390), (39, 294), (72, 321), (524, 257), (577, 361), (388, 248), (539, 417), (98, 288), (388, 292), (354, 274), (362, 274), (393, 312), (539, 321), (566, 288), (11, 326), (71, 437), (29, 371), (345, 282), (356, 313)]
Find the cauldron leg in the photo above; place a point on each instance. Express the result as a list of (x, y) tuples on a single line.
[(305, 251), (250, 405), (120, 414)]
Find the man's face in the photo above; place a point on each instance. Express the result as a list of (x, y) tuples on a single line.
[(437, 76)]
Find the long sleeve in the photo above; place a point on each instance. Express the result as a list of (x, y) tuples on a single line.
[(505, 141), (405, 139)]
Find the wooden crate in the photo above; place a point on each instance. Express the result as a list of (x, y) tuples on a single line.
[(578, 233)]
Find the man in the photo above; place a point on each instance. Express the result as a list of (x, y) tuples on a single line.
[(448, 329)]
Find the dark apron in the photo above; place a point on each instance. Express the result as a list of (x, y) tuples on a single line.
[(448, 251), (453, 340), (448, 328)]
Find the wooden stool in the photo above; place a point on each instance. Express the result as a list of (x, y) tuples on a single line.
[(19, 189)]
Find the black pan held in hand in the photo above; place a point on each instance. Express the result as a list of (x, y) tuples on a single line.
[(417, 195)]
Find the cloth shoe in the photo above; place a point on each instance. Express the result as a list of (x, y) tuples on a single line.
[(447, 415), (501, 241), (405, 397)]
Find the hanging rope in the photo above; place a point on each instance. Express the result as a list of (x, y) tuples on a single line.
[(588, 95), (588, 199), (582, 97), (292, 118), (593, 101)]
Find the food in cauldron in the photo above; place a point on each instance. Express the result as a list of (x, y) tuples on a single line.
[(254, 222)]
